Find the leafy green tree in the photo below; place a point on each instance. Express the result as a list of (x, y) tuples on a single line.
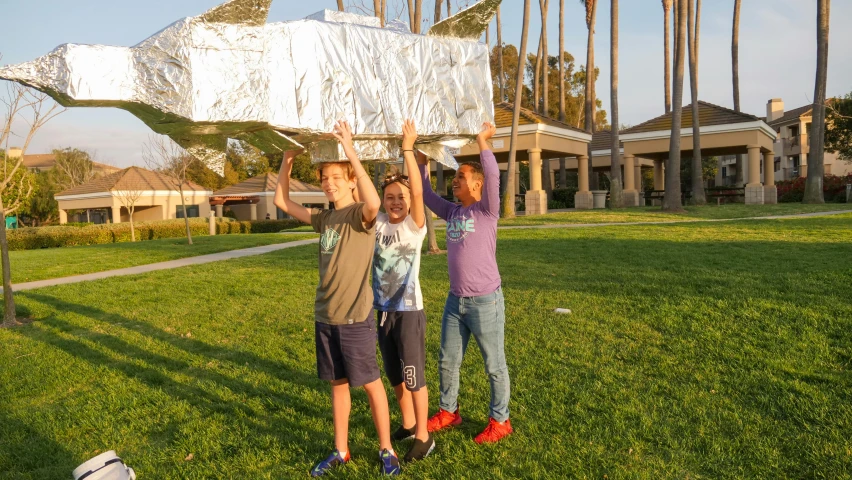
[(43, 208), (838, 127), (73, 167)]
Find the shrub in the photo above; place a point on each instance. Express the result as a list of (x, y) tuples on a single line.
[(60, 236), (555, 204), (565, 196), (833, 188)]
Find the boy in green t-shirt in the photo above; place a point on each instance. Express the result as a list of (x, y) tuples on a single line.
[(345, 327)]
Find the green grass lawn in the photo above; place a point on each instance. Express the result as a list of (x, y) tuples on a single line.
[(653, 214), (32, 265), (704, 350)]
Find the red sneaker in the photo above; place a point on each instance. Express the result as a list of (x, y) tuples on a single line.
[(494, 431), (443, 419)]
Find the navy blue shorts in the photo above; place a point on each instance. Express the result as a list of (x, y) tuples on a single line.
[(402, 339), (347, 351)]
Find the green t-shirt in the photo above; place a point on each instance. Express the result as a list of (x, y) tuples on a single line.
[(346, 247)]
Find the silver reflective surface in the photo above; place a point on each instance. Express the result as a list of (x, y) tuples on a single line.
[(227, 74)]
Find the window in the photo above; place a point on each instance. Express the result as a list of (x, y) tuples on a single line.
[(280, 215), (724, 172), (192, 211), (777, 164)]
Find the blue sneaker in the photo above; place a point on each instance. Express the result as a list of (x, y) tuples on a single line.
[(390, 463), (334, 460)]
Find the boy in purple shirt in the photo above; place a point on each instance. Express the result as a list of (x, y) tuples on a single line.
[(475, 302)]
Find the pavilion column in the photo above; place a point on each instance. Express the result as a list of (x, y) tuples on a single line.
[(63, 217), (583, 199), (630, 194), (116, 214), (536, 198), (770, 192), (637, 176), (219, 211), (253, 211), (754, 189), (659, 177)]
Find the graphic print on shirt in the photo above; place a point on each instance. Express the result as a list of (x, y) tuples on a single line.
[(459, 228), (394, 262), (329, 240)]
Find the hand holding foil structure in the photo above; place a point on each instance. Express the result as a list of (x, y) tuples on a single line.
[(227, 74)]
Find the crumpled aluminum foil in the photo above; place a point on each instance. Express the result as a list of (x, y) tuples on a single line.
[(227, 74)]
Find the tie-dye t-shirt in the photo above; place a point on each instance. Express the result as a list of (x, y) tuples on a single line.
[(396, 265)]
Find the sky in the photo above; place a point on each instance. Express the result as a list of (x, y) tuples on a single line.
[(777, 53)]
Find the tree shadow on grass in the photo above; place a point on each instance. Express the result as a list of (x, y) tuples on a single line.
[(27, 454), (279, 402)]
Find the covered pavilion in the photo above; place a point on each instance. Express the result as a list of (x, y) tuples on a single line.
[(723, 132)]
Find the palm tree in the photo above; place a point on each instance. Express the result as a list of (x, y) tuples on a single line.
[(537, 79), (591, 10), (561, 83), (816, 170), (545, 66), (698, 195), (500, 55), (667, 6), (615, 192), (509, 197), (735, 77), (671, 200), (340, 6)]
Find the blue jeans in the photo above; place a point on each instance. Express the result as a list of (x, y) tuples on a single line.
[(484, 317)]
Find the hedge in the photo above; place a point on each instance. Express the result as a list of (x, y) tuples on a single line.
[(833, 189), (32, 238)]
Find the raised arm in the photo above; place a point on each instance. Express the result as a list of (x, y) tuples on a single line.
[(418, 211), (435, 203), (366, 190), (491, 187), (282, 191)]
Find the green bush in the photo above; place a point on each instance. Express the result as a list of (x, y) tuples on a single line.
[(61, 236), (555, 204), (565, 196)]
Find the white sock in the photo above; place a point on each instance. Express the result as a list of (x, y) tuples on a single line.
[(342, 454)]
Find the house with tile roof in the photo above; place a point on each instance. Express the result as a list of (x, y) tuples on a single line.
[(43, 162), (252, 198), (792, 147), (100, 200)]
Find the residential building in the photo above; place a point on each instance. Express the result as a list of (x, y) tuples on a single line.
[(792, 147), (252, 198)]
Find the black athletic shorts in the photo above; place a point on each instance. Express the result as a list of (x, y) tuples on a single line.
[(402, 340), (347, 351)]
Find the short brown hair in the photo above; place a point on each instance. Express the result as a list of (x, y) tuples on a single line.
[(345, 166), (478, 173)]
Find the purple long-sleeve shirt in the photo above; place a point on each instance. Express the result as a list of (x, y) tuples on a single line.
[(471, 233)]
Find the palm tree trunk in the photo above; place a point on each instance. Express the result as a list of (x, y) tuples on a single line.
[(340, 6), (735, 78), (411, 20), (615, 192), (537, 79), (667, 6), (545, 68), (591, 10), (671, 200), (561, 64), (698, 195), (509, 197), (437, 11), (502, 83), (816, 169), (432, 242), (9, 316)]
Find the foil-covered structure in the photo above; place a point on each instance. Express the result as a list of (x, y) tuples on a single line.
[(227, 74)]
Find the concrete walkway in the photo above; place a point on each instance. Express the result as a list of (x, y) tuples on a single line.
[(247, 252), (182, 262)]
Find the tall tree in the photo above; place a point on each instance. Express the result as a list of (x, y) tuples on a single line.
[(438, 12), (377, 9), (543, 4), (615, 185), (509, 197), (502, 83), (735, 78), (671, 200), (699, 197), (35, 109), (838, 127), (591, 11), (562, 174), (163, 155), (340, 6), (667, 6), (536, 78), (816, 169)]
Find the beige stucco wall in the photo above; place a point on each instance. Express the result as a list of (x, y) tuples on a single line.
[(722, 143), (166, 205)]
